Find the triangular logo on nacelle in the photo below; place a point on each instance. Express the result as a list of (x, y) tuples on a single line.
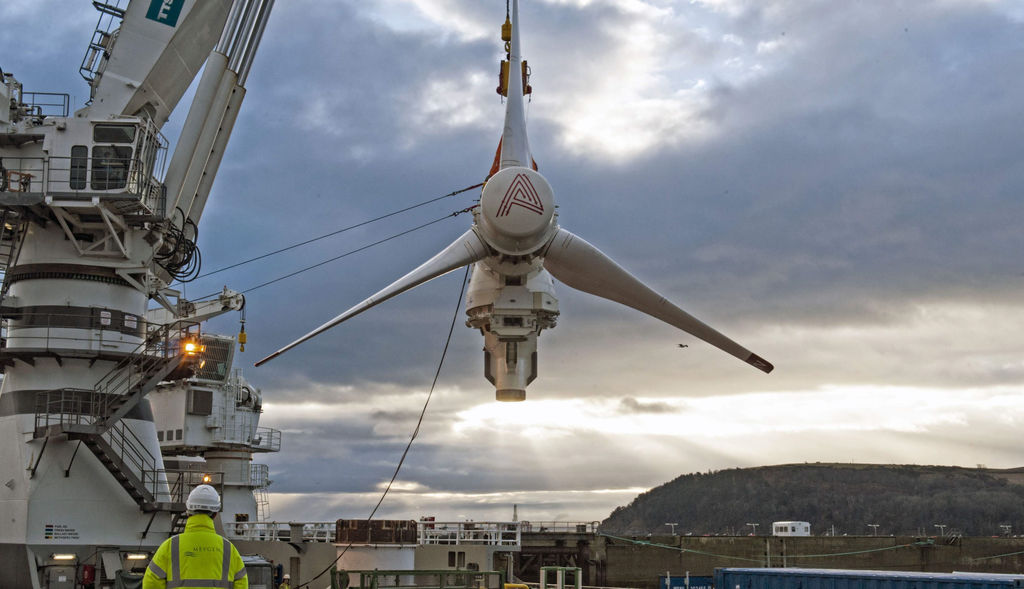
[(520, 193)]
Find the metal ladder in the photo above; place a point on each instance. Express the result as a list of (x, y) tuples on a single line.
[(111, 15), (13, 229)]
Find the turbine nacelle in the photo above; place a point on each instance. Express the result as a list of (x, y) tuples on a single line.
[(510, 310), (516, 215)]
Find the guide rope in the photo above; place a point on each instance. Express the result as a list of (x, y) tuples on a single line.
[(761, 560), (415, 431), (980, 558)]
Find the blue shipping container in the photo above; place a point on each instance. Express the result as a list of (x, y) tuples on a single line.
[(791, 578), (675, 582)]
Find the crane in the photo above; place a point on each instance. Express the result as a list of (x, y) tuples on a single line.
[(92, 228)]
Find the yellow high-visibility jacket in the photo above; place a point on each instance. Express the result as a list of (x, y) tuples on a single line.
[(196, 558)]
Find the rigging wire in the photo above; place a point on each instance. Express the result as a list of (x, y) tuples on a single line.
[(415, 431), (760, 560), (332, 233), (981, 558), (338, 257)]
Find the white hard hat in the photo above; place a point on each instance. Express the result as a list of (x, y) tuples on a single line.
[(203, 498), (287, 577)]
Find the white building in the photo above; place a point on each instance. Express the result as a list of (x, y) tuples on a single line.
[(791, 528)]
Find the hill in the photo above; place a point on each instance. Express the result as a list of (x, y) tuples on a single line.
[(901, 499)]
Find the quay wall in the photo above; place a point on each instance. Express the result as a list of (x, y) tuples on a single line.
[(638, 561)]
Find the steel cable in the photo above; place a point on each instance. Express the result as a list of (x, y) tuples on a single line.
[(338, 257), (336, 232), (415, 431)]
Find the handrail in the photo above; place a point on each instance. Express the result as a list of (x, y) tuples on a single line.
[(477, 533), (180, 482), (421, 579), (100, 406), (130, 448), (33, 101), (267, 438), (111, 178), (63, 333), (259, 476), (322, 532), (591, 527), (160, 345), (69, 406)]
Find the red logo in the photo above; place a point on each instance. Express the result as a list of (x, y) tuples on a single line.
[(521, 193)]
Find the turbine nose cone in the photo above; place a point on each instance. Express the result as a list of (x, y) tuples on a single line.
[(517, 210), (510, 395)]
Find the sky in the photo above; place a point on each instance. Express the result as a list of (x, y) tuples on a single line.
[(836, 186)]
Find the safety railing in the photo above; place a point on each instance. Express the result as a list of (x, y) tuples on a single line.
[(259, 476), (560, 527), (96, 406), (46, 104), (22, 174), (74, 407), (161, 345), (474, 533), (267, 439), (235, 428), (242, 472), (420, 579), (125, 175), (235, 418), (114, 178), (129, 448), (233, 431), (65, 407), (174, 485), (323, 532), (32, 330)]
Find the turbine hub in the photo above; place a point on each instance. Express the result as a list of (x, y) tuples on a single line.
[(517, 211)]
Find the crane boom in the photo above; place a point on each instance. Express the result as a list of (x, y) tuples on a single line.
[(154, 56)]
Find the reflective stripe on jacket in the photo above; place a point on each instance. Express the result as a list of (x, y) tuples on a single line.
[(197, 558)]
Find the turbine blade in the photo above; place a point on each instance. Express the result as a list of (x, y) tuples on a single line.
[(582, 266), (465, 250)]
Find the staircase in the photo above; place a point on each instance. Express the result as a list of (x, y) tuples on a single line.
[(95, 418), (119, 452)]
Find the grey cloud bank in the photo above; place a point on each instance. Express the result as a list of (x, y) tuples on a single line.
[(836, 186)]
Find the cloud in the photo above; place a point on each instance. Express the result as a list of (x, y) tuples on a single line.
[(534, 506), (631, 405), (404, 487), (836, 187), (466, 20)]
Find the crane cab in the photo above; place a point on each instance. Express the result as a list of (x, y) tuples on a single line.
[(117, 157)]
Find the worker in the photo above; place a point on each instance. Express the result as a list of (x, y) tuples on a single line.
[(198, 557), (286, 582)]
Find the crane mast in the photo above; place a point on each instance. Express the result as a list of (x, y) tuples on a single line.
[(93, 227)]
